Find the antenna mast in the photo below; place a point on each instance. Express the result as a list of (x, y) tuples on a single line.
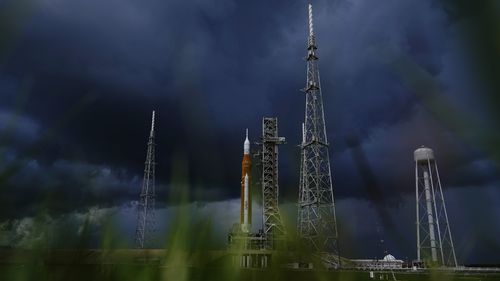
[(146, 208), (317, 224)]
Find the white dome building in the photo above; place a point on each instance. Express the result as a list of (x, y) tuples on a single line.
[(389, 257)]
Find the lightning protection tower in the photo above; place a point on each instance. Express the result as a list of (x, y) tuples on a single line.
[(271, 220), (434, 242), (317, 224), (146, 208)]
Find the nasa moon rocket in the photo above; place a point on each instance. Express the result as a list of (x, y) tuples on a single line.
[(246, 182)]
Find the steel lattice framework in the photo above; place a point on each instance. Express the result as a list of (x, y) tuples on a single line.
[(272, 223), (146, 207), (432, 217), (317, 223)]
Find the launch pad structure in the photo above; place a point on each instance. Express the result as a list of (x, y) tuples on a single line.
[(254, 249)]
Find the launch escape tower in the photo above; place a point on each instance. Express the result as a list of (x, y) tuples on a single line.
[(271, 220), (146, 207), (432, 217), (317, 224)]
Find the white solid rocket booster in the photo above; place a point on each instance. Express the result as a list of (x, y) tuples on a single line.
[(246, 198)]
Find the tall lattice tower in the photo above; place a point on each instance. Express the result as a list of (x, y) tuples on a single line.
[(271, 219), (317, 223), (146, 208), (434, 242)]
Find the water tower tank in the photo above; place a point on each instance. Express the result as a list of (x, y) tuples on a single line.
[(423, 154)]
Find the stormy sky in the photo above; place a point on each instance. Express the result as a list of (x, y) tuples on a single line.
[(79, 79)]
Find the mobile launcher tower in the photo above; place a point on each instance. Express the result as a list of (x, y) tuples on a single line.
[(434, 241), (272, 223)]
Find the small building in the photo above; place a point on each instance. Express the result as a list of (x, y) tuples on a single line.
[(388, 262)]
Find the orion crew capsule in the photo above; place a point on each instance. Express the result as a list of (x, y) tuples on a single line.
[(246, 183)]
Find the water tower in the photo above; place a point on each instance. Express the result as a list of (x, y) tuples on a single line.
[(434, 242)]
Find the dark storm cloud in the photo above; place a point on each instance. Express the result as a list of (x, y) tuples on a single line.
[(63, 186), (19, 129), (194, 69), (213, 68), (389, 157)]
